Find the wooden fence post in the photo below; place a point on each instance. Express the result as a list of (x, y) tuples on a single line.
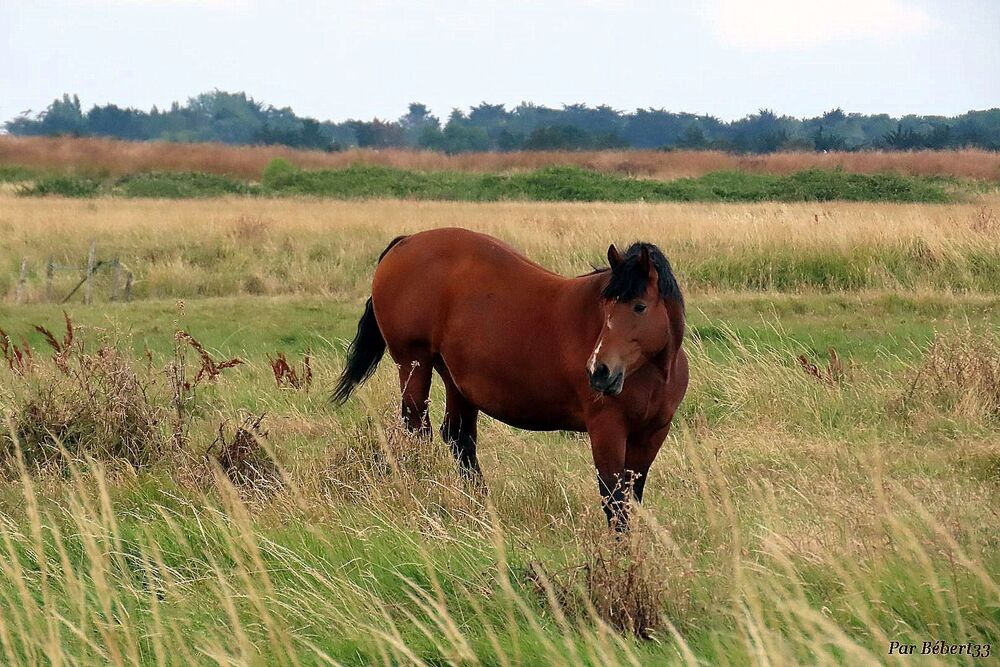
[(128, 287), (91, 261), (21, 280), (50, 269), (116, 274)]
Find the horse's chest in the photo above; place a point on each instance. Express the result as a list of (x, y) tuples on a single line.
[(645, 405)]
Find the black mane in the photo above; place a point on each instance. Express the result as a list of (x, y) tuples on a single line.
[(628, 280)]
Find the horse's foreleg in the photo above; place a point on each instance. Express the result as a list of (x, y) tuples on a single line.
[(639, 456), (607, 444)]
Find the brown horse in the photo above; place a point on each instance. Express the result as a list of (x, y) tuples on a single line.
[(599, 353)]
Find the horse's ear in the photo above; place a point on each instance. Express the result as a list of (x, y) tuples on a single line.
[(614, 257)]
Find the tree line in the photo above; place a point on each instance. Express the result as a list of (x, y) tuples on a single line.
[(235, 118)]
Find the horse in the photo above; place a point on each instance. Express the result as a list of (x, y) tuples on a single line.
[(599, 353)]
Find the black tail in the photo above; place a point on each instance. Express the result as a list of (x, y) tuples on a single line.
[(363, 356), (366, 349)]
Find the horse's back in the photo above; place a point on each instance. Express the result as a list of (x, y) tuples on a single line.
[(420, 279), (421, 276)]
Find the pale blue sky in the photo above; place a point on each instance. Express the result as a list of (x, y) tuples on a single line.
[(364, 58)]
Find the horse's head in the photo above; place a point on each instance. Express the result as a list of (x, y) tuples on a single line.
[(643, 317)]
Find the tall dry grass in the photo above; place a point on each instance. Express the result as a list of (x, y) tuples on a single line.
[(239, 246), (118, 157)]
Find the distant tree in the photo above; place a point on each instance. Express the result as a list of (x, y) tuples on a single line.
[(903, 139), (312, 135), (417, 119), (978, 128), (460, 138), (431, 138), (62, 117), (940, 137), (834, 116), (378, 133), (232, 118), (488, 115), (112, 121), (693, 137), (653, 128), (598, 121), (508, 141), (239, 119), (825, 141), (558, 138), (763, 132)]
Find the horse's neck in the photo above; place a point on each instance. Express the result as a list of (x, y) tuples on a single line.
[(585, 300)]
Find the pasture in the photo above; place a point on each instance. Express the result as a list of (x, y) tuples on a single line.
[(93, 155), (830, 486)]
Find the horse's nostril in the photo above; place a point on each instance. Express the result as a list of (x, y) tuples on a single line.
[(602, 371)]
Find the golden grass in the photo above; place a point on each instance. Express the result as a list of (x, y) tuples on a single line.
[(122, 157), (305, 246)]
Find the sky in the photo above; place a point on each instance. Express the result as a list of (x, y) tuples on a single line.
[(370, 58)]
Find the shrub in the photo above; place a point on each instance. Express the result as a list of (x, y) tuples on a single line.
[(244, 459), (181, 185), (277, 172), (62, 186), (183, 387), (86, 405), (630, 580), (16, 174), (960, 374), (286, 375)]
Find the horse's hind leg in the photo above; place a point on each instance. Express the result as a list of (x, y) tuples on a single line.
[(459, 429), (415, 386)]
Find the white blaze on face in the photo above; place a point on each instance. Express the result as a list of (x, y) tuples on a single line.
[(592, 362)]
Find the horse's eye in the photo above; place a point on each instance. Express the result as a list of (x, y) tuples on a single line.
[(639, 307)]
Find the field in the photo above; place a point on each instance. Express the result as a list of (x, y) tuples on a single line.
[(107, 156), (830, 486)]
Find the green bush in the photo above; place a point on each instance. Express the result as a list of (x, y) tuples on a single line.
[(62, 186), (181, 185), (15, 174), (276, 171)]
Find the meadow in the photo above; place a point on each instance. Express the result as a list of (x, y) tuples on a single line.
[(95, 156), (830, 486)]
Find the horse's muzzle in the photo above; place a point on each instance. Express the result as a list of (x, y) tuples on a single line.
[(603, 381)]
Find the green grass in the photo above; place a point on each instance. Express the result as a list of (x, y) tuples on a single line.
[(893, 330), (548, 184), (769, 494), (16, 174)]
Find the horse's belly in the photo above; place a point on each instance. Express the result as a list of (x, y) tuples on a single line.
[(529, 411), (521, 395)]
